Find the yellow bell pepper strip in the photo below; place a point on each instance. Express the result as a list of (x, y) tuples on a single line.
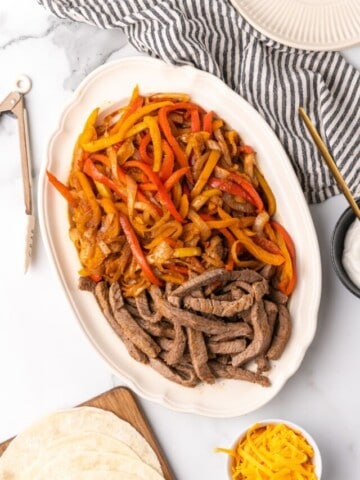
[(91, 170), (230, 187), (270, 198), (180, 155), (136, 250), (184, 205), (207, 122), (249, 189), (163, 194), (62, 189), (106, 142), (195, 121), (167, 165), (250, 245), (89, 130), (206, 172), (175, 177), (187, 252), (155, 135)]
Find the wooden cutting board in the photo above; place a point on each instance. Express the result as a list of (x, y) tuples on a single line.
[(121, 401)]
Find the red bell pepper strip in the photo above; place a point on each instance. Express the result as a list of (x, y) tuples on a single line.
[(207, 122), (251, 191), (163, 194), (95, 277), (167, 166), (136, 249), (245, 149), (91, 170), (230, 187), (61, 188)]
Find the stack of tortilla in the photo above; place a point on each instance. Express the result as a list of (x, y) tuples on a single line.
[(83, 443)]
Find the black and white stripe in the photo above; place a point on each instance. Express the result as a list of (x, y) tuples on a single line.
[(276, 80)]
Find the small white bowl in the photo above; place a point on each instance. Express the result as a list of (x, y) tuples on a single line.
[(274, 421)]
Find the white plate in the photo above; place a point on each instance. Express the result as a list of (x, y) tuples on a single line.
[(307, 24), (111, 83)]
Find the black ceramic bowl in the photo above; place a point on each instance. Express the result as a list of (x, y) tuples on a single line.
[(337, 247)]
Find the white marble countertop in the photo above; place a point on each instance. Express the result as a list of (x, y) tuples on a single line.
[(45, 361)]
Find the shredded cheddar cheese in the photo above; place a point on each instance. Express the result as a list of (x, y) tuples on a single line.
[(272, 452)]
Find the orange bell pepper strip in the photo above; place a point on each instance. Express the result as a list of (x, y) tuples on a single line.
[(104, 142), (267, 244), (207, 122), (230, 240), (288, 276), (270, 198), (163, 194), (167, 166), (155, 135), (136, 250), (136, 102), (62, 189), (175, 177), (180, 155), (250, 245), (144, 155), (195, 121)]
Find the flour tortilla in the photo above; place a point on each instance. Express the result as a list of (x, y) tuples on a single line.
[(29, 445), (91, 442), (72, 464)]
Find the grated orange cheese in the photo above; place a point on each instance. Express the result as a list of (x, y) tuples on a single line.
[(272, 452)]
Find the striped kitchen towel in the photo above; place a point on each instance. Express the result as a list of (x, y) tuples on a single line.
[(211, 35)]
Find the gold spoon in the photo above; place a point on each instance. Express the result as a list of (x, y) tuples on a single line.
[(329, 161)]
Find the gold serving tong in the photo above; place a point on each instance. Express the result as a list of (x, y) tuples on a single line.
[(329, 161), (14, 104)]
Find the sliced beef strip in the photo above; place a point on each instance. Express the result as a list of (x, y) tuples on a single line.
[(102, 296), (199, 355), (263, 364), (219, 308), (230, 347), (278, 297), (161, 329), (206, 278), (177, 346), (183, 374), (262, 336), (131, 328), (197, 322), (228, 371), (142, 305), (282, 334), (268, 271), (86, 284), (260, 289), (229, 336)]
